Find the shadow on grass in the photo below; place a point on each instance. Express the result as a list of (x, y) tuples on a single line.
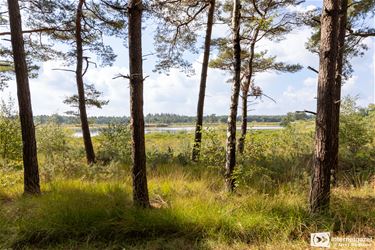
[(75, 215), (93, 214)]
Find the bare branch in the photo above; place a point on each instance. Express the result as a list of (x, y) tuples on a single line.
[(69, 70), (312, 69), (7, 33)]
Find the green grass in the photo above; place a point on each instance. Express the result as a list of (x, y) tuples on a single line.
[(90, 207), (191, 211)]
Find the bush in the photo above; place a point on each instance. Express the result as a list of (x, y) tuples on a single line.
[(156, 157), (212, 149), (357, 157), (115, 144), (58, 155), (10, 135), (275, 157)]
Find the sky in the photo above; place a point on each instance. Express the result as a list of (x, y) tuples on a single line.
[(178, 93)]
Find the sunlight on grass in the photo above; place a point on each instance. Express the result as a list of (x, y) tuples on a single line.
[(189, 211)]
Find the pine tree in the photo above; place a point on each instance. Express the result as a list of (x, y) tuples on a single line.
[(352, 32), (30, 159), (140, 190), (230, 161), (84, 24), (179, 23), (323, 160), (203, 81)]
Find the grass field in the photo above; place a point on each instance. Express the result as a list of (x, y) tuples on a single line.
[(190, 211), (85, 207)]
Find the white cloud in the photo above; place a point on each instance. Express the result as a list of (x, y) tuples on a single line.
[(176, 93), (349, 85), (301, 8), (292, 48), (310, 81)]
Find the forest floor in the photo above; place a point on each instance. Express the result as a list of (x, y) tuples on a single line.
[(190, 210)]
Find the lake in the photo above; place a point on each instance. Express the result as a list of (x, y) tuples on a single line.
[(95, 132)]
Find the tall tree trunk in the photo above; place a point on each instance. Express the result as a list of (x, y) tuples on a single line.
[(230, 162), (140, 190), (245, 93), (241, 140), (337, 88), (90, 155), (30, 160), (322, 161), (202, 86)]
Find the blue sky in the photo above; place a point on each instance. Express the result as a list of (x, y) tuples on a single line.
[(177, 93)]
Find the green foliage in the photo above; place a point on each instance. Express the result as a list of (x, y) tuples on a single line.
[(360, 14), (188, 207), (162, 119), (10, 135), (99, 20), (177, 26), (279, 157), (115, 144), (156, 157), (356, 148), (191, 207), (92, 99), (176, 152), (52, 141), (291, 117), (59, 157), (212, 149)]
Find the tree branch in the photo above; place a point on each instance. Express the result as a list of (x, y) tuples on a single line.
[(69, 70), (36, 31), (312, 69)]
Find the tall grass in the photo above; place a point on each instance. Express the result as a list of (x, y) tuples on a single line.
[(90, 207), (189, 211)]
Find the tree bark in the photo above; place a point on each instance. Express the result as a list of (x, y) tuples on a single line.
[(202, 86), (322, 161), (337, 88), (245, 93), (241, 140), (140, 190), (90, 155), (230, 162), (30, 160)]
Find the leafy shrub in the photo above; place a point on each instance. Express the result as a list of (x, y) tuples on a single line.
[(357, 157), (10, 135), (275, 157), (59, 156), (156, 157), (212, 149), (115, 144)]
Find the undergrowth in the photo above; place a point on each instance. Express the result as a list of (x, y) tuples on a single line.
[(189, 212)]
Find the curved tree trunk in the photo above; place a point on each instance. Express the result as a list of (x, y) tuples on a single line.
[(140, 190), (245, 93), (322, 161), (202, 86), (337, 88), (30, 160), (90, 155), (230, 162)]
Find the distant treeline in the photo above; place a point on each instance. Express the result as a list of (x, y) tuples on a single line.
[(167, 118)]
